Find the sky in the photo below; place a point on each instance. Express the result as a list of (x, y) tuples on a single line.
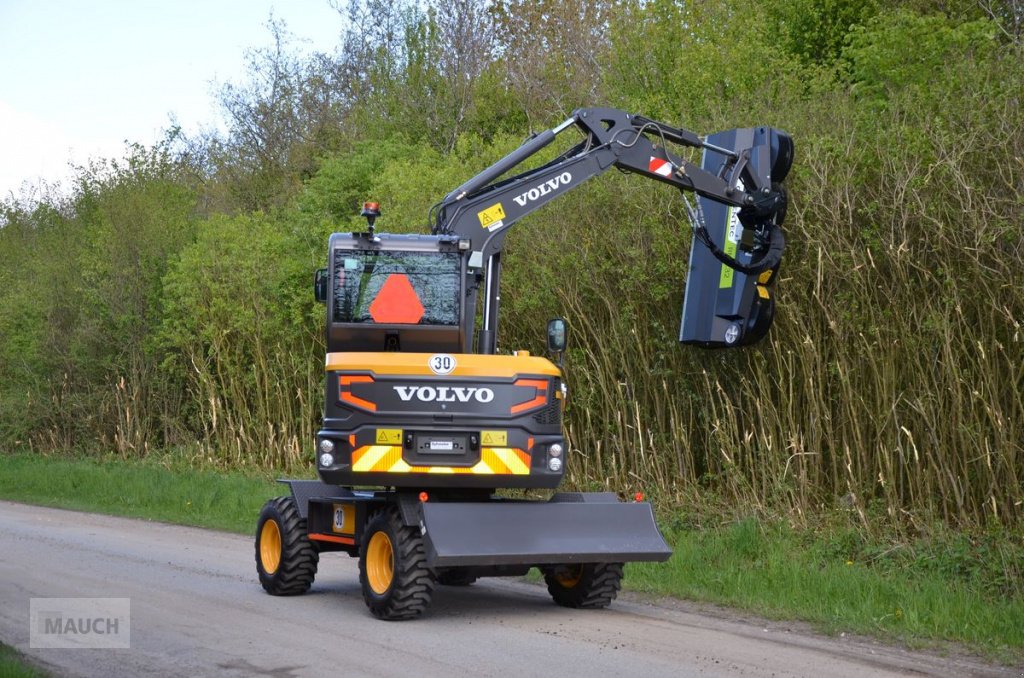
[(78, 79)]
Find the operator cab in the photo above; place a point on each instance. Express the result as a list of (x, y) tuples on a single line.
[(393, 292)]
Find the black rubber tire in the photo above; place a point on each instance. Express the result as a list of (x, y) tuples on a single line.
[(456, 576), (412, 583), (596, 586), (298, 558)]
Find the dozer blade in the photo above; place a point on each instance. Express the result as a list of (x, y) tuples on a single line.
[(533, 533)]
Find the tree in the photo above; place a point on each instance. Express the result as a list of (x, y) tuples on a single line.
[(288, 113), (552, 53)]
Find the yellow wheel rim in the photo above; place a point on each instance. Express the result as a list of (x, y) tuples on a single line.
[(270, 546), (380, 563), (569, 576)]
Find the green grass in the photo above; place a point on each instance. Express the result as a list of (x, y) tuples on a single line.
[(14, 665), (911, 592), (950, 587), (151, 490)]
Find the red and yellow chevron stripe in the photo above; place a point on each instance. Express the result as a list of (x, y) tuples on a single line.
[(494, 461)]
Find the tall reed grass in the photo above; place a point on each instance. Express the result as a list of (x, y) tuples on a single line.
[(891, 382)]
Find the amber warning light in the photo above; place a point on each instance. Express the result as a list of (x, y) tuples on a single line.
[(371, 210)]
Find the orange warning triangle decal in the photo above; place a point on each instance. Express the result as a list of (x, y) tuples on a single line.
[(397, 302)]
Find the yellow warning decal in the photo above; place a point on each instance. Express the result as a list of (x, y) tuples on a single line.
[(494, 438), (501, 461), (376, 458), (492, 216), (389, 436)]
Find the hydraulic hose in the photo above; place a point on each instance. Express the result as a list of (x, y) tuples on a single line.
[(770, 259)]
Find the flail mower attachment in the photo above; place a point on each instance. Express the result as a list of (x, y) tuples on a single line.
[(735, 255)]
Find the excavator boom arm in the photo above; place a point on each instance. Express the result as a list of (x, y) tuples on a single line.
[(747, 178)]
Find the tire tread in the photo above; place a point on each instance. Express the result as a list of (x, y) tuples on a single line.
[(414, 582), (299, 558), (598, 586)]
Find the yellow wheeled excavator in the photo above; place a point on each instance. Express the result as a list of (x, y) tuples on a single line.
[(424, 421)]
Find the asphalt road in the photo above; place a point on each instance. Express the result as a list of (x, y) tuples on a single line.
[(198, 609)]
